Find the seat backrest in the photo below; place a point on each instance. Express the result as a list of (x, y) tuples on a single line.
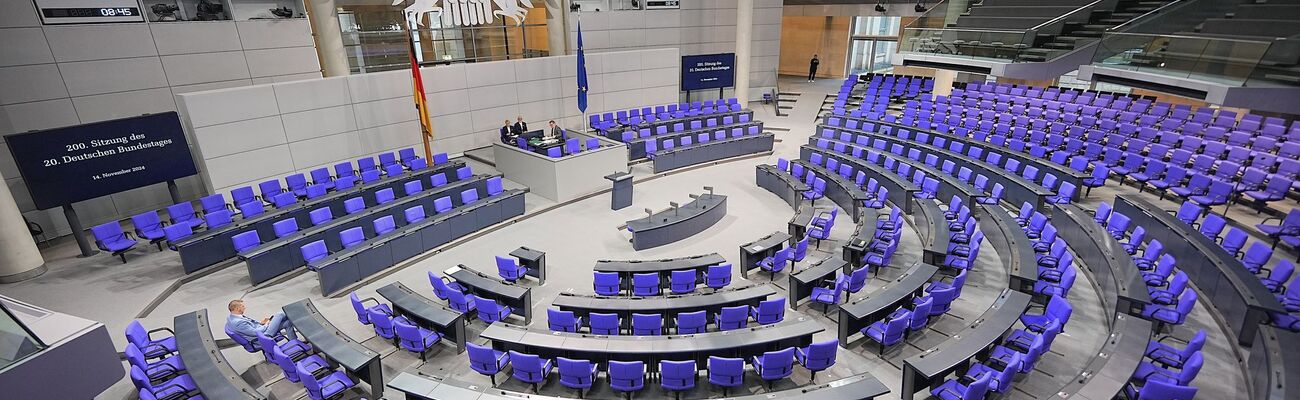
[(822, 355), (414, 214), (647, 324), (314, 251), (603, 323), (352, 237), (246, 240), (778, 363), (575, 372), (682, 281), (626, 375), (442, 204), (733, 317), (384, 225), (561, 321), (321, 215), (771, 311)]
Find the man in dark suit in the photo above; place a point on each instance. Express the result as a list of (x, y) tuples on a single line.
[(507, 133), (520, 125), (556, 132)]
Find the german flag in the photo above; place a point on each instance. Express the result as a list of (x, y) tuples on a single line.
[(421, 104)]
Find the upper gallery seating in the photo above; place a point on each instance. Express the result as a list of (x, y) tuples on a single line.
[(1274, 26), (1029, 30)]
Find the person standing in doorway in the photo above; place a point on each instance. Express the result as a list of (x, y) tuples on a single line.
[(812, 68)]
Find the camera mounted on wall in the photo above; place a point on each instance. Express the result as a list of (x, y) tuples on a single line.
[(282, 12), (165, 12), (209, 11)]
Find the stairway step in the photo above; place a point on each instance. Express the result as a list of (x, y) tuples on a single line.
[(1096, 27), (1059, 46), (1126, 14), (1113, 21), (1088, 34)]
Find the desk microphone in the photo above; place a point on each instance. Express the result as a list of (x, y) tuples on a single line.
[(675, 205), (649, 213), (710, 189)]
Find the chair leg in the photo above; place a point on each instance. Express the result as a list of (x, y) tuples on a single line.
[(494, 380), (813, 378)]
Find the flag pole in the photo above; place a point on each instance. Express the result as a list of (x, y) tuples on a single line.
[(421, 107), (585, 118)]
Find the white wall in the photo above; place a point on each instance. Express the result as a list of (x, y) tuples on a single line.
[(250, 134), (53, 76), (699, 27)]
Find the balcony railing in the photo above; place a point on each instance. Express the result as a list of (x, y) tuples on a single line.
[(1231, 62)]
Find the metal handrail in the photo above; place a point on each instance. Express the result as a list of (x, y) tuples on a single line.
[(1206, 38), (969, 30), (1063, 16), (1144, 16), (932, 9)]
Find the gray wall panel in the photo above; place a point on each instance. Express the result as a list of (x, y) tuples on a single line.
[(89, 77), (198, 37), (189, 69), (24, 46), (99, 42), (123, 104)]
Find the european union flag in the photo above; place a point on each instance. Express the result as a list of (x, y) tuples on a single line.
[(582, 73)]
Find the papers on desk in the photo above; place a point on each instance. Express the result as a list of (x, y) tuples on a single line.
[(452, 270), (756, 248)]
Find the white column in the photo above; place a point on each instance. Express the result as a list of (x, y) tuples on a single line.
[(943, 79), (19, 257), (556, 34), (324, 18), (744, 29)]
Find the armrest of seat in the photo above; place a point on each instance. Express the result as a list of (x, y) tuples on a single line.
[(162, 329)]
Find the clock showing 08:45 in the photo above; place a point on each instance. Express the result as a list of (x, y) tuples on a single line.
[(54, 12)]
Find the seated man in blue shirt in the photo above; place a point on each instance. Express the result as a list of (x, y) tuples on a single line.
[(247, 327)]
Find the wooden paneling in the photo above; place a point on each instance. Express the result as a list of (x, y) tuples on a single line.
[(801, 37)]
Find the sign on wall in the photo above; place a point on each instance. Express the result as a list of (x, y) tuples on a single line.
[(54, 12), (65, 165), (708, 71)]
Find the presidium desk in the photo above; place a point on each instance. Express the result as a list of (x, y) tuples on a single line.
[(677, 223), (567, 177)]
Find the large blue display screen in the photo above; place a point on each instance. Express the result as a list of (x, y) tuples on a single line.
[(70, 164), (708, 71)]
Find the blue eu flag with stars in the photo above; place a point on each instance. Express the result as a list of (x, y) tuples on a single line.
[(582, 73)]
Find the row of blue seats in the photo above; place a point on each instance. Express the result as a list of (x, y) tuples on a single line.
[(1154, 155), (1203, 115), (1017, 354), (654, 146), (156, 367), (630, 376), (571, 146), (216, 213), (1065, 191), (694, 125), (300, 363), (1254, 259), (1171, 155), (766, 312), (623, 116), (649, 284), (356, 236), (662, 116)]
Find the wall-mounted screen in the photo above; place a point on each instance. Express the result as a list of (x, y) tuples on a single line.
[(55, 12), (708, 71), (65, 165)]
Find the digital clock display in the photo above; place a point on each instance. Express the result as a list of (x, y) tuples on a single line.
[(90, 12)]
